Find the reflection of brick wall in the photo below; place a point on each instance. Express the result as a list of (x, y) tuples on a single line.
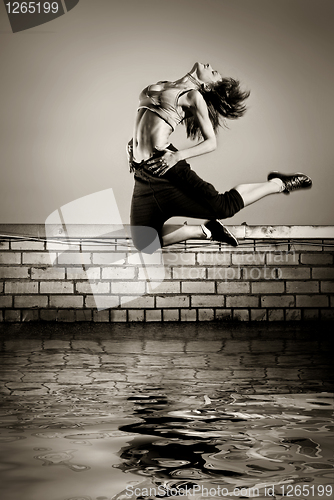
[(263, 279)]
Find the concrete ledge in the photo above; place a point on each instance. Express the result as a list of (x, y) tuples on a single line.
[(118, 231)]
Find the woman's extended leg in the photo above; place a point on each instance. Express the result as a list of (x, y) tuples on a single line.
[(276, 183), (182, 233), (251, 193)]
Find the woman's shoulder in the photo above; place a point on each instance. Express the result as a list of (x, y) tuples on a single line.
[(193, 98)]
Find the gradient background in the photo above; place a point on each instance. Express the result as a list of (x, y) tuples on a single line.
[(69, 91)]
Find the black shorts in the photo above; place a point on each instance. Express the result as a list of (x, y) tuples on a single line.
[(180, 192)]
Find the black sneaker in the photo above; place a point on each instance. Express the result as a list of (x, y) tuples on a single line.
[(220, 233), (292, 181)]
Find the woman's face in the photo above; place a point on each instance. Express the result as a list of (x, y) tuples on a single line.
[(206, 73)]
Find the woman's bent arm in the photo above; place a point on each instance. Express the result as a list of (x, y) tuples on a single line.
[(198, 108), (195, 104)]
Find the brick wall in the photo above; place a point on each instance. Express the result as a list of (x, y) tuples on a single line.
[(278, 273)]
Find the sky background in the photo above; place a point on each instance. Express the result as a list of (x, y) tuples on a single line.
[(69, 91)]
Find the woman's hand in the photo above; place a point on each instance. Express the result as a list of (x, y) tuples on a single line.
[(159, 166)]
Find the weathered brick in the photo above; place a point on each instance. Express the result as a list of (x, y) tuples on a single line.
[(102, 301), (61, 245), (310, 314), (242, 301), (12, 316), (320, 258), (137, 302), (47, 273), (107, 246), (293, 315), (206, 314), (73, 258), (258, 314), (111, 258), (101, 316), (241, 314), (14, 272), (259, 273), (224, 273), (4, 245), (312, 301), (223, 314), (27, 245), (21, 287), (97, 287), (298, 273), (268, 287), (327, 314), (30, 315), (153, 315), (66, 301), (327, 286), (179, 259), (56, 287), (328, 245), (158, 273), (314, 246), (48, 314), (164, 287), (170, 315), (198, 287), (77, 273), (83, 315), (118, 273), (6, 301), (30, 301), (172, 301), (10, 257), (117, 316), (277, 301), (144, 259), (282, 258), (249, 259), (186, 273), (188, 314), (302, 286), (66, 316), (136, 315), (228, 287), (207, 301), (130, 287), (271, 246), (214, 258), (323, 273), (40, 258)]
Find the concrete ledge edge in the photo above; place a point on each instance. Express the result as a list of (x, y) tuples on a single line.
[(119, 231)]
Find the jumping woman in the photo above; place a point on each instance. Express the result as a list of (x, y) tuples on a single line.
[(165, 185)]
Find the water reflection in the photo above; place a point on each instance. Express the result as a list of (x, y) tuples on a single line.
[(248, 442), (192, 411)]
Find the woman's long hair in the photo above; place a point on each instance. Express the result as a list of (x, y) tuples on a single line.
[(224, 100)]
